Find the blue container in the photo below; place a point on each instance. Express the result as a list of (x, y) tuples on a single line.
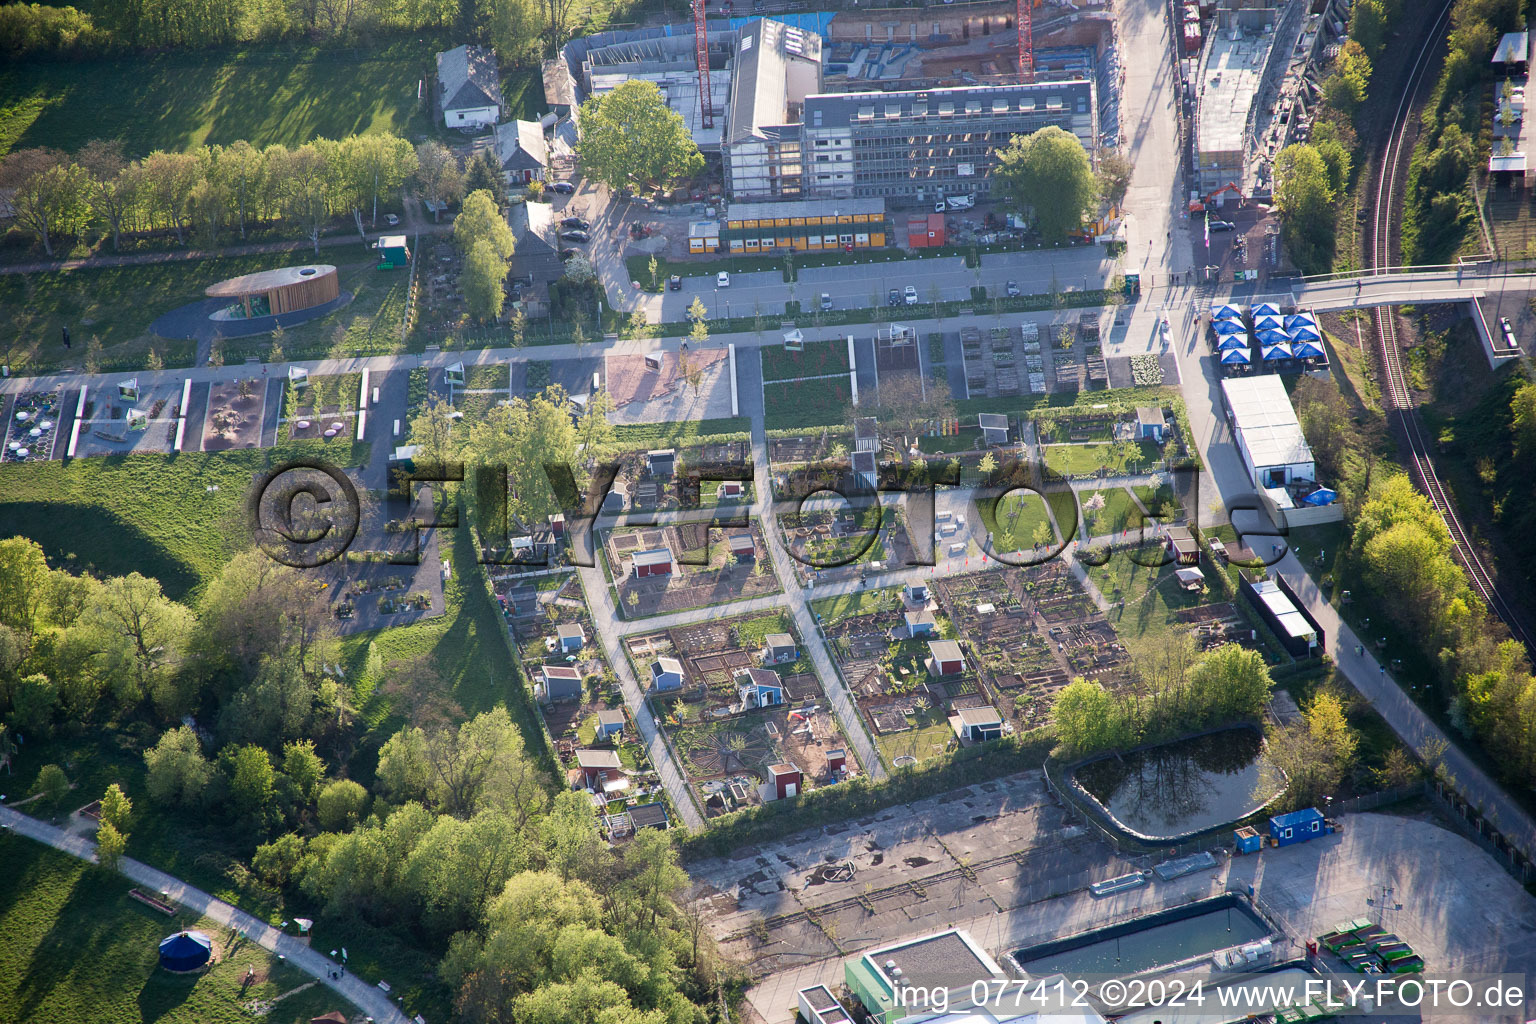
[(1297, 826)]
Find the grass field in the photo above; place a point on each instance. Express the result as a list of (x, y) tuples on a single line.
[(1146, 598), (75, 949), (142, 513), (833, 610), (178, 100), (1080, 460), (806, 403), (817, 359), (930, 735), (1118, 513), (117, 306)]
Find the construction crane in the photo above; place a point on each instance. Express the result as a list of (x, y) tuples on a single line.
[(1026, 24), (701, 54)]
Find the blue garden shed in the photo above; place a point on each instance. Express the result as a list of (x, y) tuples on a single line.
[(185, 951), (1297, 826)]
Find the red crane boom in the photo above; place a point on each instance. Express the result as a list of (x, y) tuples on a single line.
[(1026, 25), (701, 54)]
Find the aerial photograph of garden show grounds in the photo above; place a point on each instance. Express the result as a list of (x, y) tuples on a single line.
[(1209, 661)]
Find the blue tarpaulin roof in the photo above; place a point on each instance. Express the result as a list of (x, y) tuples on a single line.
[(1228, 326), (1307, 350), (1300, 318), (185, 951), (1321, 496), (1232, 341), (1305, 332), (1236, 356)]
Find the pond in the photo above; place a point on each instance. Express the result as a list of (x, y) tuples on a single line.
[(1178, 788)]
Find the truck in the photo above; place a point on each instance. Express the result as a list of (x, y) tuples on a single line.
[(960, 202)]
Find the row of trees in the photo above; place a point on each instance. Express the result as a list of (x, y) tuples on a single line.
[(519, 29), (1177, 693), (1437, 207), (1405, 557), (214, 189)]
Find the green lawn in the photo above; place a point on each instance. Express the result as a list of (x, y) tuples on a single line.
[(817, 359), (1119, 511), (142, 513), (1080, 460), (930, 735), (178, 100), (806, 403), (1146, 598), (117, 306), (861, 602), (76, 949), (1014, 519)]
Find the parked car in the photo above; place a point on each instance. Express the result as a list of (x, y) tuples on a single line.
[(910, 295), (826, 301), (1223, 225), (723, 279), (674, 283), (565, 188), (391, 219), (1013, 289), (576, 222), (576, 235), (893, 297)]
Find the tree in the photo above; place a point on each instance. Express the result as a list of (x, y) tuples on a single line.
[(111, 189), (279, 704), (23, 579), (178, 771), (1345, 89), (526, 435), (481, 220), (257, 608), (140, 637), (34, 700), (342, 804), (240, 167), (115, 807), (593, 431), (1048, 175), (52, 783), (630, 135), (167, 183), (110, 844), (482, 765), (484, 281), (1368, 26), (304, 183), (1304, 200), (483, 174), (50, 193), (432, 433), (571, 838), (438, 175), (251, 778), (514, 27), (1522, 420), (303, 766), (384, 162), (1114, 176)]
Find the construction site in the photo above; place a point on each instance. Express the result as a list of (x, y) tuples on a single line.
[(763, 95)]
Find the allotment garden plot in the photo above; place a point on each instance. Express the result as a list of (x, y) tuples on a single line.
[(742, 708), (677, 567)]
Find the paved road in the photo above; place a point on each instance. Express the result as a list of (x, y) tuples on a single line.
[(367, 998), (610, 629)]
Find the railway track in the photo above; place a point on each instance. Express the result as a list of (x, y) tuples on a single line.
[(1399, 399)]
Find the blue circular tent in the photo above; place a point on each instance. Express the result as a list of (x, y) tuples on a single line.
[(185, 951)]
